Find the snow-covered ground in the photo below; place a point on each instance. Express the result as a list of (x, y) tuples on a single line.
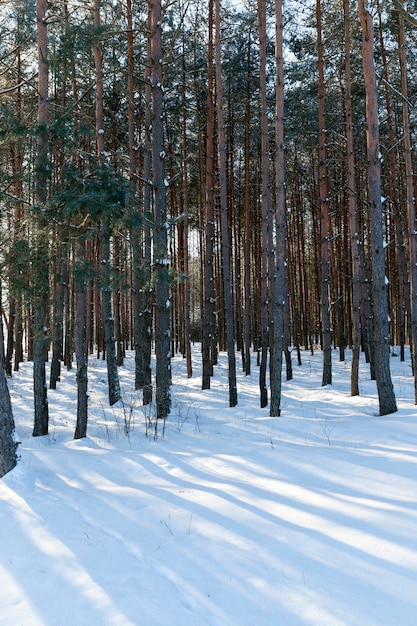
[(232, 518)]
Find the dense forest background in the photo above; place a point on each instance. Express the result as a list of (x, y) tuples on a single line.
[(205, 175)]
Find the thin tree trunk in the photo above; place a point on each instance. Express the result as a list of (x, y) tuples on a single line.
[(111, 360), (400, 267), (185, 260), (147, 292), (324, 214), (267, 248), (8, 443), (247, 238), (109, 338), (351, 191), (411, 209), (228, 305), (208, 335), (58, 333), (279, 295), (387, 403), (160, 239), (40, 265), (79, 342)]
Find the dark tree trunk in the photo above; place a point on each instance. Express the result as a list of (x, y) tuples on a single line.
[(279, 295), (208, 334), (109, 338), (267, 249), (247, 238), (387, 403), (79, 341), (110, 348), (40, 261), (351, 191), (160, 239), (8, 443), (399, 267), (185, 260), (58, 324), (324, 214), (411, 209), (227, 285)]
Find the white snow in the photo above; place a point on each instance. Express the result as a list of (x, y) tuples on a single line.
[(232, 519)]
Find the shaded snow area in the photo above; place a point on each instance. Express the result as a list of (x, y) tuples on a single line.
[(232, 518)]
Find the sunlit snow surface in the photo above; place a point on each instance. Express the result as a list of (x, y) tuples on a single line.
[(232, 519)]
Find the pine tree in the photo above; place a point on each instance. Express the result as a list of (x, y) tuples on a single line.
[(387, 403)]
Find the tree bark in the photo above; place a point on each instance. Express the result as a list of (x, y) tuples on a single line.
[(247, 237), (41, 267), (279, 295), (160, 239), (185, 260), (411, 209), (387, 403), (351, 191), (268, 269), (324, 214), (79, 342), (227, 285), (111, 359), (208, 334), (8, 443)]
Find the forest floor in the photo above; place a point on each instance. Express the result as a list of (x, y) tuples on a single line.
[(232, 518)]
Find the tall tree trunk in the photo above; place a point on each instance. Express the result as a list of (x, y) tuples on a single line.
[(208, 334), (160, 240), (279, 296), (227, 285), (58, 319), (147, 292), (399, 270), (387, 403), (324, 214), (247, 237), (109, 338), (19, 228), (351, 191), (41, 267), (79, 342), (185, 260), (8, 443), (267, 249), (411, 209), (136, 225), (111, 360)]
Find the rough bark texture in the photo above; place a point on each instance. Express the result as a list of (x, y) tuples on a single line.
[(58, 324), (8, 443), (209, 296), (324, 214), (79, 342), (187, 285), (267, 248), (279, 295), (411, 210), (351, 191), (110, 345), (147, 288), (110, 348), (247, 238), (40, 257), (227, 286), (160, 240), (387, 403)]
